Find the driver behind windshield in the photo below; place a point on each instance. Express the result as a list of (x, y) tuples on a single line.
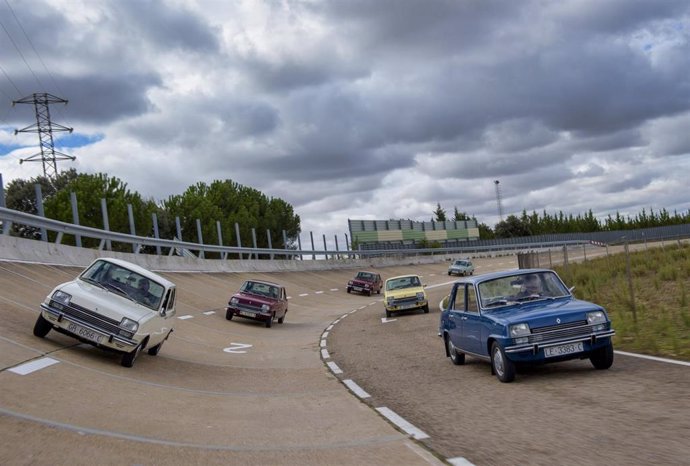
[(531, 286)]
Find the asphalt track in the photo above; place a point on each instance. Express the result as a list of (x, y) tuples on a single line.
[(234, 392)]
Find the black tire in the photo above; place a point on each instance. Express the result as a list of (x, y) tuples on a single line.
[(426, 309), (449, 274), (602, 358), (503, 367), (229, 314), (349, 290), (455, 357), (153, 351), (282, 319), (269, 322), (378, 291), (42, 327), (129, 358), (368, 292), (388, 313)]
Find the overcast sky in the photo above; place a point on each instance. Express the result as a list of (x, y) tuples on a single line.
[(363, 109)]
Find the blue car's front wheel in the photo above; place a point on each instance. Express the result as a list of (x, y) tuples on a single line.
[(602, 358), (503, 367)]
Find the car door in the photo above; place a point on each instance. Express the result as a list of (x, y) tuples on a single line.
[(456, 314), (472, 323)]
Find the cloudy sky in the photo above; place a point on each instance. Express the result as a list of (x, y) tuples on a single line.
[(363, 109)]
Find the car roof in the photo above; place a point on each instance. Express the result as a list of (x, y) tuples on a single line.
[(265, 282), (367, 271), (403, 276), (503, 273), (139, 269)]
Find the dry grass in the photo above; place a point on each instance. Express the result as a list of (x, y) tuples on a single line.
[(657, 320)]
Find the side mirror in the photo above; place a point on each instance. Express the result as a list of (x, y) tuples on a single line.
[(571, 289)]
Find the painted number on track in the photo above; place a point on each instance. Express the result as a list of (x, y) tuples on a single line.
[(237, 348)]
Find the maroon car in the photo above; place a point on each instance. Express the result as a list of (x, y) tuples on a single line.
[(365, 282), (259, 300)]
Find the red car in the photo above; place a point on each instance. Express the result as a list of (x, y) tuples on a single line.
[(365, 282), (259, 300)]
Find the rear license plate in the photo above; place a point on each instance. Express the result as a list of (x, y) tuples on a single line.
[(563, 349), (84, 332), (247, 314)]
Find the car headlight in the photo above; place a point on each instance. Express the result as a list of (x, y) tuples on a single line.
[(233, 301), (350, 283), (129, 325), (519, 333), (390, 300), (596, 317), (421, 296), (61, 297), (265, 307)]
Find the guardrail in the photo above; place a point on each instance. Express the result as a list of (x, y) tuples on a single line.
[(8, 217)]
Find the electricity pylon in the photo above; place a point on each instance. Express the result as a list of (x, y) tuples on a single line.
[(45, 129), (498, 200)]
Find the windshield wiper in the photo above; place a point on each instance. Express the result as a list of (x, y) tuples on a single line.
[(121, 291), (93, 282)]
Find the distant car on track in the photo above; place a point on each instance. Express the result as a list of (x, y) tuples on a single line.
[(462, 267), (403, 293), (114, 305), (259, 300), (522, 317), (365, 282)]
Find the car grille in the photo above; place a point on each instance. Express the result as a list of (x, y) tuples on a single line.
[(401, 301), (248, 307), (560, 331), (86, 315)]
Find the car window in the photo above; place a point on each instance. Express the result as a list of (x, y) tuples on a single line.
[(459, 301), (471, 299)]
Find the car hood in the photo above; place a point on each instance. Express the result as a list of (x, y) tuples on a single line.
[(104, 302), (543, 313), (404, 292), (359, 281), (255, 299)]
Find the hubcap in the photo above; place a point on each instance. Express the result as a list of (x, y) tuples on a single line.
[(498, 361)]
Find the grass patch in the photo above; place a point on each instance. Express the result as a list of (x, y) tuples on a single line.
[(660, 283)]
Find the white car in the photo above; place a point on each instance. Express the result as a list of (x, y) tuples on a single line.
[(114, 305)]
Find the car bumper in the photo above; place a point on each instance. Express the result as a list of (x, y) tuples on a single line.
[(248, 314), (536, 352), (406, 306), (86, 331)]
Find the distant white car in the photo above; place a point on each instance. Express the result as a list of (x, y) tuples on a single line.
[(114, 305), (462, 267)]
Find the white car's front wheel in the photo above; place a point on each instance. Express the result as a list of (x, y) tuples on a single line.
[(129, 358)]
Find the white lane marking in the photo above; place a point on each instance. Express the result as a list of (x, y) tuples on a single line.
[(289, 297), (237, 348), (319, 292), (402, 423), (324, 354), (352, 311), (334, 367), (459, 461), (329, 327), (343, 316), (304, 294), (324, 335), (208, 313), (653, 358), (29, 367), (323, 343), (334, 289), (185, 317), (356, 389), (385, 320), (363, 307)]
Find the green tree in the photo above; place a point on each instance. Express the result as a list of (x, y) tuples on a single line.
[(512, 227), (439, 214)]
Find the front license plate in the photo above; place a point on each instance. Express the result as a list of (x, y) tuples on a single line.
[(563, 349), (357, 288), (84, 332), (247, 314)]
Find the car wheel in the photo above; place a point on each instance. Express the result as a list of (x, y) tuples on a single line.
[(269, 322), (129, 358), (42, 327), (388, 313), (378, 291), (156, 349), (503, 367), (282, 319), (426, 309), (349, 290), (368, 292), (602, 358), (449, 274), (456, 358), (229, 314)]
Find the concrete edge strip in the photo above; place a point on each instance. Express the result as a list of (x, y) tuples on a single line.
[(654, 358), (389, 414), (459, 461), (33, 366), (334, 367), (356, 389)]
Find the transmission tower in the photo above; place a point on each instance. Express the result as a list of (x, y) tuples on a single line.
[(45, 129), (498, 200)]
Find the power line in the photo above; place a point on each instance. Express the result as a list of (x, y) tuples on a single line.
[(40, 85)]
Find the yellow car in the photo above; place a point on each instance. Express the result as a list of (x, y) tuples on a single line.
[(403, 293)]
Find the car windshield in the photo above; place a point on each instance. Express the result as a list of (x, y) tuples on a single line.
[(402, 282), (461, 263), (365, 276), (521, 287), (125, 282), (261, 289)]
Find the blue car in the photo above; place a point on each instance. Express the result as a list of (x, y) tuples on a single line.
[(522, 317)]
